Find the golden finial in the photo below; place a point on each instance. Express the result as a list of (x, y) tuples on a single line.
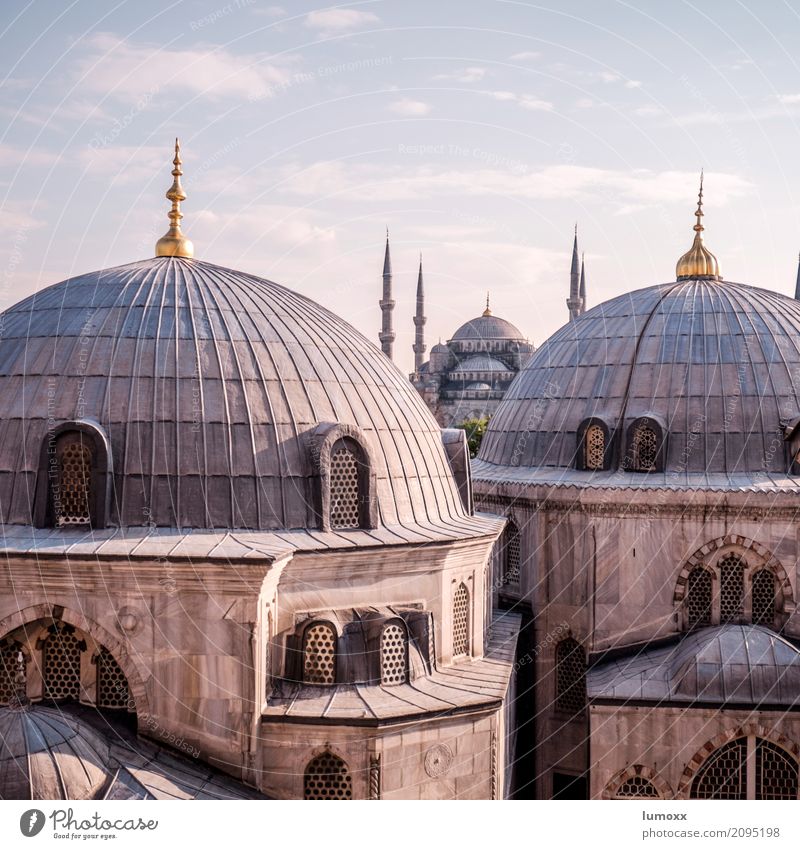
[(173, 242), (698, 261), (487, 311)]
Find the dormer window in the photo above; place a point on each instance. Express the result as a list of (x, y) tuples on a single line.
[(592, 452), (394, 654), (319, 654), (645, 446), (346, 495), (72, 489)]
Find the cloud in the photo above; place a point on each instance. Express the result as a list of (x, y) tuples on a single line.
[(130, 71), (410, 108), (789, 98), (524, 56), (621, 188), (525, 101), (466, 75), (124, 164), (12, 156), (331, 21)]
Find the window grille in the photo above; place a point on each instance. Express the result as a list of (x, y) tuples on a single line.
[(776, 772), (511, 554), (595, 447), (763, 598), (637, 787), (570, 676), (394, 655), (327, 777), (319, 654), (72, 500), (8, 671), (461, 621), (698, 597), (645, 447), (62, 664), (731, 588), (112, 686), (723, 774), (345, 501)]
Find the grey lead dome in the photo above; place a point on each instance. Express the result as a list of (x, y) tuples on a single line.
[(716, 363), (207, 382)]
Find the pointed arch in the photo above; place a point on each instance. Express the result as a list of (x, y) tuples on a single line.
[(633, 778)]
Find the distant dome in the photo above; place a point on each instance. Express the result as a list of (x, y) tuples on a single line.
[(479, 387), (487, 327), (47, 754), (481, 362), (714, 362), (731, 664), (208, 383), (440, 348)]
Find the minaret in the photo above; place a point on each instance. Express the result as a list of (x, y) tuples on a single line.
[(574, 299), (386, 335), (419, 322), (797, 284), (583, 285)]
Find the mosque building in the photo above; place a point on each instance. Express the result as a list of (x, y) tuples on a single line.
[(647, 462), (240, 556)]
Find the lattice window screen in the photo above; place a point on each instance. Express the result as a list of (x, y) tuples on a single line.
[(570, 676), (112, 686), (327, 777), (776, 772), (763, 598), (731, 588), (8, 670), (698, 597), (319, 654), (637, 787), (461, 621), (74, 479), (723, 774), (394, 655), (511, 554), (345, 506), (62, 665), (645, 447), (595, 447)]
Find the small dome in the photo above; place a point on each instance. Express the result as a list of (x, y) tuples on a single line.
[(481, 362), (487, 327), (48, 754), (479, 387), (440, 348)]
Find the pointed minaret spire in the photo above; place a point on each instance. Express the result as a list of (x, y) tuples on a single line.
[(386, 335), (797, 284), (574, 299), (488, 311), (582, 289), (419, 322), (174, 242)]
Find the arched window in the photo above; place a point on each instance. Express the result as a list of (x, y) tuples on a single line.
[(731, 588), (763, 598), (9, 653), (345, 486), (570, 676), (394, 654), (319, 654), (61, 662), (72, 488), (645, 448), (594, 447), (327, 777), (511, 554), (461, 621), (698, 597), (726, 773), (112, 686), (636, 787)]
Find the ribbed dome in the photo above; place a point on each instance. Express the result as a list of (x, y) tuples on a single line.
[(208, 383), (487, 327), (715, 363), (47, 754), (481, 362)]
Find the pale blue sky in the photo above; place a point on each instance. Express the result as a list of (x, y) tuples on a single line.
[(479, 132)]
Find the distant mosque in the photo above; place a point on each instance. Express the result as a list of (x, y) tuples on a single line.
[(467, 377)]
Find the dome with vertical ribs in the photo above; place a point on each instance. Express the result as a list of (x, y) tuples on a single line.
[(208, 383)]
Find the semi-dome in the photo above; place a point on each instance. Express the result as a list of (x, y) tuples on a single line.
[(486, 327), (49, 754), (711, 366), (207, 384), (480, 362)]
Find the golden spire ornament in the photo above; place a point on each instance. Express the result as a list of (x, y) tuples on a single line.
[(487, 312), (173, 242), (698, 262)]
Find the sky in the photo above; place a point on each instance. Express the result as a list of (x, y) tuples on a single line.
[(479, 132)]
